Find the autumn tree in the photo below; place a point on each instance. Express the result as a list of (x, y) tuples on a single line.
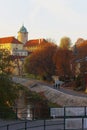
[(62, 59), (81, 46), (79, 41), (40, 62), (65, 43)]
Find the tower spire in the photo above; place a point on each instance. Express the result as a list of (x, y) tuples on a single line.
[(23, 34)]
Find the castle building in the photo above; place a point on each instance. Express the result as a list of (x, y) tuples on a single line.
[(21, 45), (10, 43), (29, 45)]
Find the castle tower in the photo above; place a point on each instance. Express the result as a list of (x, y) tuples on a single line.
[(23, 35)]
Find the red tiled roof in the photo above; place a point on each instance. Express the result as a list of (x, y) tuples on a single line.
[(9, 40), (35, 42)]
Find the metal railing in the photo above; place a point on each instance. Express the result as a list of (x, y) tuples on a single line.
[(66, 118), (34, 125)]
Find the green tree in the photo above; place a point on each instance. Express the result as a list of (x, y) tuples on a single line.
[(65, 43), (8, 89)]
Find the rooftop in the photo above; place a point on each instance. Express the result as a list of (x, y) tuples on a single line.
[(9, 40), (35, 42)]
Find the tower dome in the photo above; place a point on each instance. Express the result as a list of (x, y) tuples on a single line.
[(23, 34), (23, 29)]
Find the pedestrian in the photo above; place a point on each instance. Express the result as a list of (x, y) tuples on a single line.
[(58, 86)]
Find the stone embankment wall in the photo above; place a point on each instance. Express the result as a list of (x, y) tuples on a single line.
[(51, 94), (56, 96)]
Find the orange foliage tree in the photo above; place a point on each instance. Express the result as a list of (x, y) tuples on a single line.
[(82, 53), (80, 62), (62, 59), (40, 62)]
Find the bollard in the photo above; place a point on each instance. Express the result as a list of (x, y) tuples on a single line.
[(44, 124), (25, 125), (7, 127)]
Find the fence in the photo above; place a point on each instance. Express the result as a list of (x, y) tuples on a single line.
[(75, 118), (35, 125), (66, 118)]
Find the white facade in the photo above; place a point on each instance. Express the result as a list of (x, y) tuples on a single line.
[(20, 53)]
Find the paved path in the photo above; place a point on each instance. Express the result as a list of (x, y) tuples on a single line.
[(64, 90), (72, 92)]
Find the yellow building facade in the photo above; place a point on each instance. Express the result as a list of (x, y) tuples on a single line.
[(10, 43)]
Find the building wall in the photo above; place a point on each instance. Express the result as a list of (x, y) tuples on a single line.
[(23, 37), (6, 46), (17, 46), (31, 49), (11, 46)]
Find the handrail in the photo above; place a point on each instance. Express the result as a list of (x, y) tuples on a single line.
[(62, 118), (26, 125)]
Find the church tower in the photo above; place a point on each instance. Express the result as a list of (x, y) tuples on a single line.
[(23, 35)]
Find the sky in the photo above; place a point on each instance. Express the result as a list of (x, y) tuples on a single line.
[(49, 19)]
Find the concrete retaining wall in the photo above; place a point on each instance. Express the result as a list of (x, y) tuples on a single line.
[(58, 97), (53, 95)]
